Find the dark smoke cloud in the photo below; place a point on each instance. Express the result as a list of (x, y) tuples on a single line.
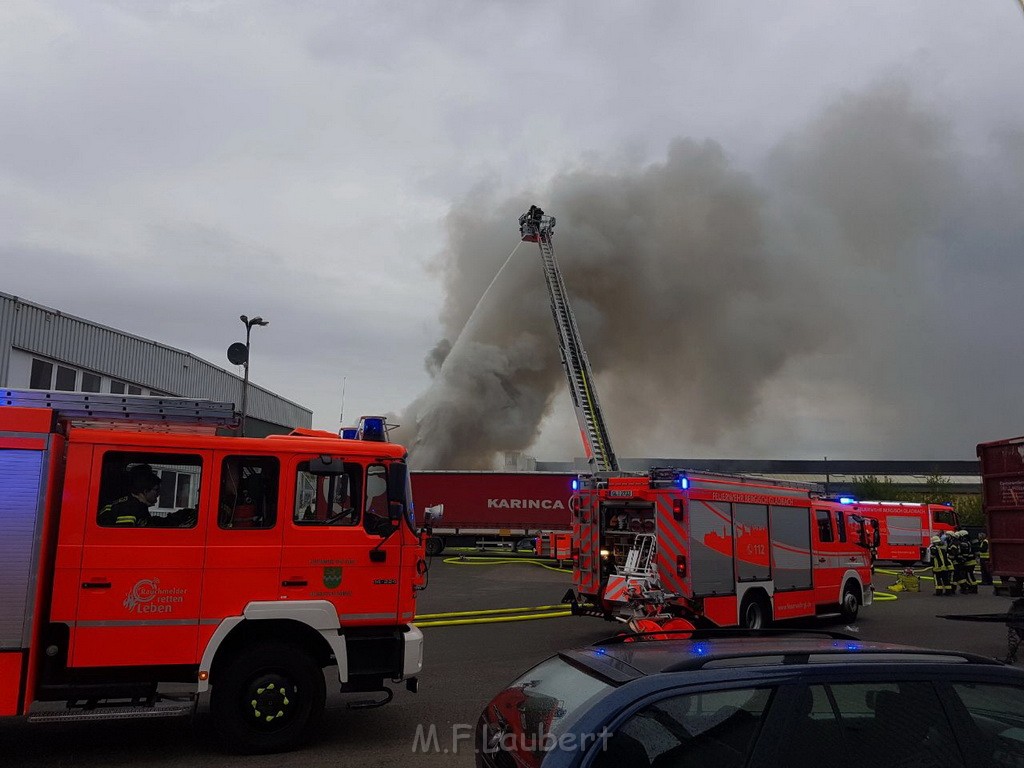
[(698, 287)]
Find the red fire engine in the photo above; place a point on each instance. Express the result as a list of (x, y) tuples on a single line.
[(905, 529), (697, 546), (718, 548), (139, 549)]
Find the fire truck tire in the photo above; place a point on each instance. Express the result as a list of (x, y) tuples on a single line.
[(435, 545), (270, 698), (849, 606), (755, 613)]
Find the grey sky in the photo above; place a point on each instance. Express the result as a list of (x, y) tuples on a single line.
[(831, 193)]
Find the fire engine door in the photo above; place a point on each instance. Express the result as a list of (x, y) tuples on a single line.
[(142, 560), (339, 544), (829, 556), (243, 543)]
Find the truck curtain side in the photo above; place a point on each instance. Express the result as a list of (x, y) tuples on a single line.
[(511, 507)]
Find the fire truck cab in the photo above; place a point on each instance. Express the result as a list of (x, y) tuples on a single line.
[(140, 550), (714, 549)]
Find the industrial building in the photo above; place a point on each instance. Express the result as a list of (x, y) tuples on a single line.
[(43, 348)]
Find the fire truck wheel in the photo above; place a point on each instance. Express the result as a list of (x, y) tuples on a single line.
[(850, 605), (435, 545), (754, 613), (268, 699)]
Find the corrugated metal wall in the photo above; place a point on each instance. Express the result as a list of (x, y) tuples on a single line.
[(50, 333)]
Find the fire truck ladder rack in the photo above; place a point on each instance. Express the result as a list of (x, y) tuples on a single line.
[(165, 414), (535, 227), (640, 557)]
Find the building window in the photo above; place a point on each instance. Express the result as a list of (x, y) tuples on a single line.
[(134, 390), (66, 378), (116, 387), (90, 382), (42, 374)]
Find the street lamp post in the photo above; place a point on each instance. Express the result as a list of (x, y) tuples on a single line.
[(245, 383)]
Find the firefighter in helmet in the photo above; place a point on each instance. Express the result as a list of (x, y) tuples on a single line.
[(133, 510), (970, 554), (941, 568), (956, 560), (984, 560)]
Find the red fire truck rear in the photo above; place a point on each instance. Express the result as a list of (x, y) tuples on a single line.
[(139, 551), (715, 548), (905, 528), (492, 507)]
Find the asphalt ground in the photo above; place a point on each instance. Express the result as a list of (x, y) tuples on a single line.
[(464, 666)]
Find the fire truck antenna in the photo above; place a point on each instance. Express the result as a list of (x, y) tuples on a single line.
[(341, 416)]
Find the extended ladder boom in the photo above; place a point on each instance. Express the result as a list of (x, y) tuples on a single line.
[(535, 227)]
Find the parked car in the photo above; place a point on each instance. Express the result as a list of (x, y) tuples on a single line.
[(736, 698)]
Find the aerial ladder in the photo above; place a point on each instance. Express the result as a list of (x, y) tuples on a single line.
[(536, 227), (639, 573)]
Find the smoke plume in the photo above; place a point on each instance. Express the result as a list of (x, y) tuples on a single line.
[(699, 288)]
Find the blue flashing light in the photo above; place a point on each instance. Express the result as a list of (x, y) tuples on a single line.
[(847, 500), (575, 484), (701, 649), (601, 651), (349, 433), (683, 482), (373, 429), (853, 646)]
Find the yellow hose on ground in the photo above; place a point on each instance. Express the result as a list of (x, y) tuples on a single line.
[(492, 619), (462, 560), (491, 611)]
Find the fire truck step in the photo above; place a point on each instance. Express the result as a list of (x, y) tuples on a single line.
[(169, 709)]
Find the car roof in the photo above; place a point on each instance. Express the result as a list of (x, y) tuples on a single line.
[(628, 657)]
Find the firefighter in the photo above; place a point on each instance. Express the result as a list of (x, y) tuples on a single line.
[(133, 510), (970, 555), (941, 569), (983, 559), (959, 581)]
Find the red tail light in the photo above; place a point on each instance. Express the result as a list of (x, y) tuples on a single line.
[(678, 510), (681, 565)]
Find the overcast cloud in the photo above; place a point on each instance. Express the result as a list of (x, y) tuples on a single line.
[(789, 230)]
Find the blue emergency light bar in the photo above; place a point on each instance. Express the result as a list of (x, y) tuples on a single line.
[(847, 500), (372, 428), (682, 482), (349, 433)]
